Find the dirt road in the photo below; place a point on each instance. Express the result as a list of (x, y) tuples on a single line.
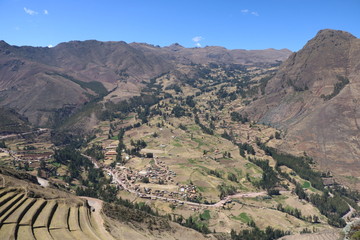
[(117, 179)]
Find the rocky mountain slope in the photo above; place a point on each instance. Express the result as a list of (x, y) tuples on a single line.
[(314, 98), (45, 84)]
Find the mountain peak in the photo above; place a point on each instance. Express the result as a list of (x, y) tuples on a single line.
[(3, 43), (175, 47), (331, 33)]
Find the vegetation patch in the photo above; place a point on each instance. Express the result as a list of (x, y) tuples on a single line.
[(306, 184), (243, 217), (176, 144), (343, 81), (192, 161), (95, 86), (205, 215)]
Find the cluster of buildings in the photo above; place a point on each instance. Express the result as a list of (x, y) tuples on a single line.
[(157, 174), (189, 192), (185, 193), (110, 151)]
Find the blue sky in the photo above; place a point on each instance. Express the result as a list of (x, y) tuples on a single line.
[(228, 23)]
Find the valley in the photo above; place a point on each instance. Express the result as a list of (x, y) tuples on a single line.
[(182, 145)]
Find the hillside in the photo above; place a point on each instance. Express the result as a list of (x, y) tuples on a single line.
[(47, 85), (12, 122), (314, 99)]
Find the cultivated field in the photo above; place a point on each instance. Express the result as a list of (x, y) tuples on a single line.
[(28, 218)]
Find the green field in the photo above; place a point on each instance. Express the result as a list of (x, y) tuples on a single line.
[(306, 185), (243, 217)]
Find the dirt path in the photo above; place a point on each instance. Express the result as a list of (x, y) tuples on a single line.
[(347, 216), (42, 182), (96, 204)]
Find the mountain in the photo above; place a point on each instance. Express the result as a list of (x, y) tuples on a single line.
[(314, 98), (47, 84), (12, 122)]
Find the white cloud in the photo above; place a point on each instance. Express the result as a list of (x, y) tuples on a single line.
[(30, 12), (247, 11), (50, 46), (197, 40), (46, 12)]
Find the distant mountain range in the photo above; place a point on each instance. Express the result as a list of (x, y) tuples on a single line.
[(41, 83)]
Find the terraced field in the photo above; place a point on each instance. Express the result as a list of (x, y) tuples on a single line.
[(324, 235), (27, 218)]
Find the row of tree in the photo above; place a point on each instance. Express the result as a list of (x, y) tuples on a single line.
[(269, 179), (255, 233)]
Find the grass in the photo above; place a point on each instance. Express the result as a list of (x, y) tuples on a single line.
[(253, 167), (356, 235), (129, 117), (192, 161), (176, 144), (280, 198), (243, 217), (194, 128), (199, 142), (306, 184), (205, 215), (56, 164), (352, 179), (249, 165), (201, 189)]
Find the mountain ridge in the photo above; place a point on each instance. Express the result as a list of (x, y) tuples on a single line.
[(313, 98), (116, 65)]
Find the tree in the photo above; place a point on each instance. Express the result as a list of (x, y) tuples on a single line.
[(26, 166), (178, 111), (42, 164), (277, 135), (145, 180), (39, 172)]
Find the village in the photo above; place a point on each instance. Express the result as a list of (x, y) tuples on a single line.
[(156, 173)]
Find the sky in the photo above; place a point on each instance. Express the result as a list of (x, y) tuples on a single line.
[(233, 24)]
